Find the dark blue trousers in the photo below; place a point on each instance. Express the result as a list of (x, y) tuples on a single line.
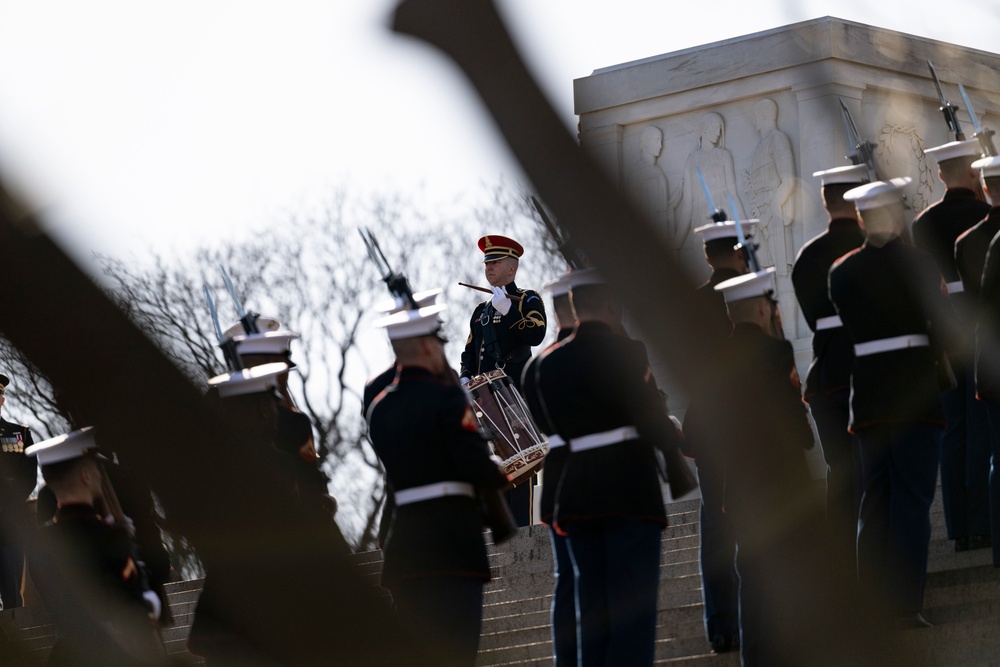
[(719, 582), (965, 461), (446, 612), (11, 572), (564, 639), (831, 413), (993, 411), (899, 465), (519, 501), (617, 566)]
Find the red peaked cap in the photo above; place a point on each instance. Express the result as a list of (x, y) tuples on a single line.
[(496, 247)]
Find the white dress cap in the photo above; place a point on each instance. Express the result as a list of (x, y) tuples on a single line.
[(877, 193), (585, 277), (954, 149), (412, 323), (853, 173), (423, 299), (747, 286), (989, 166), (64, 447), (725, 230), (270, 342), (559, 286), (257, 379), (264, 324)]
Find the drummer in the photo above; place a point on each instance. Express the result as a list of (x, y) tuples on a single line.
[(502, 332)]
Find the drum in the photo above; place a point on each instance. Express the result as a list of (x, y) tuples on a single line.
[(504, 416)]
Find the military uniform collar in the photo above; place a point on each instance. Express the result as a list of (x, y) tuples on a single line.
[(841, 223), (593, 326), (407, 373), (75, 511), (958, 193)]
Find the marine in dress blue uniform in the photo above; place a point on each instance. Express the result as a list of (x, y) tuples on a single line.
[(563, 611), (435, 457), (965, 448), (597, 391), (891, 301), (719, 580), (19, 474), (377, 384), (768, 492), (973, 253), (827, 387), (501, 334), (80, 543)]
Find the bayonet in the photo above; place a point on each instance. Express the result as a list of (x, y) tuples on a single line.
[(397, 283), (983, 134), (228, 346), (247, 318), (215, 314), (949, 110), (718, 215), (749, 251), (863, 150), (572, 254)]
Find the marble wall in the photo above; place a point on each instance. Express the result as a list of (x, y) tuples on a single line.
[(759, 114)]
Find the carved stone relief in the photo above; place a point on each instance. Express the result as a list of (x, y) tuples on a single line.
[(717, 168), (900, 152), (770, 185), (647, 184)]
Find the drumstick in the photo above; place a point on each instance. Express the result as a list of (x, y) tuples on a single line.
[(512, 297)]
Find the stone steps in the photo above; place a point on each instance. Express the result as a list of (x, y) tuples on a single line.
[(962, 600)]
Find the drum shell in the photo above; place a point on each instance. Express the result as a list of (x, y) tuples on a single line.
[(502, 413)]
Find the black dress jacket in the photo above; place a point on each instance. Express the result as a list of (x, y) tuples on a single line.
[(555, 460), (593, 382), (882, 293), (504, 341), (833, 353), (425, 432)]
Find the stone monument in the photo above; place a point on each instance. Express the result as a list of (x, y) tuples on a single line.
[(759, 114)]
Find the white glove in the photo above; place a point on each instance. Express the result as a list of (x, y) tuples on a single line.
[(154, 603), (500, 300), (464, 380)]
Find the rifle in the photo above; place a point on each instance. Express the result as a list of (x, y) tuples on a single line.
[(228, 347), (864, 150), (749, 249), (571, 253), (113, 508), (949, 110), (983, 134), (397, 283)]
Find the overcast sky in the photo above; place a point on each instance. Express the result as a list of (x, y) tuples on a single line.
[(137, 123)]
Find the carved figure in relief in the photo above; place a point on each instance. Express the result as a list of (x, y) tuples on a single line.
[(716, 164), (648, 184), (770, 183)]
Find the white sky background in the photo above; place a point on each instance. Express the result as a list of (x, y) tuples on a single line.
[(173, 125)]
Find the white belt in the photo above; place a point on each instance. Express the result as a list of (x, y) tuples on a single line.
[(417, 494), (889, 344), (955, 287), (831, 322), (604, 438), (555, 441)]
